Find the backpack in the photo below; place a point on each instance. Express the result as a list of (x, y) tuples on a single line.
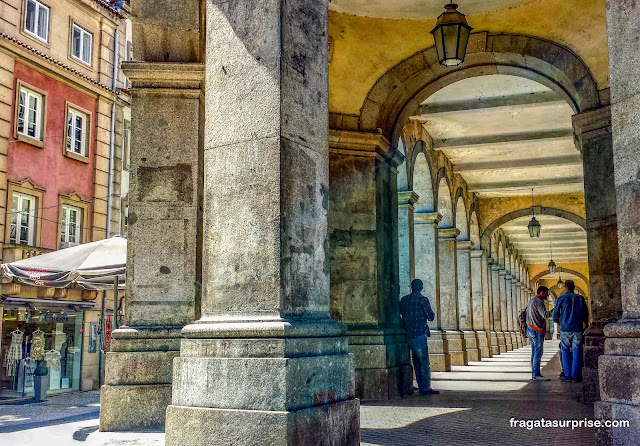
[(522, 321)]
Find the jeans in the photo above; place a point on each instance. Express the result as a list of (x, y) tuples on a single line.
[(537, 345), (420, 357), (571, 342)]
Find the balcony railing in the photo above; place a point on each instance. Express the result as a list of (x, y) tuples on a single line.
[(12, 253)]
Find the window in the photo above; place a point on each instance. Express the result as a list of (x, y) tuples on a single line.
[(71, 226), (81, 42), (36, 20), (30, 113), (77, 132), (23, 213)]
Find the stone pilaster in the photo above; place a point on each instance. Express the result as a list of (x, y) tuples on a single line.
[(427, 267), (505, 294), (620, 364), (593, 138), (364, 283), (448, 258), (164, 233), (497, 307), (265, 363), (478, 305), (515, 288), (406, 257), (465, 291)]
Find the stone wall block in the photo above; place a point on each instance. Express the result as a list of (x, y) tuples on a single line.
[(144, 409), (126, 368), (623, 382)]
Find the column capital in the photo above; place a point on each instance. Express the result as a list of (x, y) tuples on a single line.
[(353, 143), (502, 271), (591, 124), (477, 253), (464, 245), (448, 233), (407, 198), (172, 77), (427, 218), (508, 276)]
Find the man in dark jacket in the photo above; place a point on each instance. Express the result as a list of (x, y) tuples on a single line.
[(572, 313), (415, 311), (537, 315)]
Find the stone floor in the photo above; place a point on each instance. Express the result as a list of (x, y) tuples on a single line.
[(474, 408)]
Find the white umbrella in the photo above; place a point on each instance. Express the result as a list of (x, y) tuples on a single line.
[(93, 265)]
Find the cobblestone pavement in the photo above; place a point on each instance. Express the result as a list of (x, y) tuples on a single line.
[(474, 409)]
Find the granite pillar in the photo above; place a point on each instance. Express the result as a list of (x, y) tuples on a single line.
[(477, 301), (448, 258), (516, 311), (619, 367), (465, 291), (265, 363), (505, 295), (406, 256), (163, 279), (427, 268), (364, 289), (593, 138), (497, 307), (487, 307)]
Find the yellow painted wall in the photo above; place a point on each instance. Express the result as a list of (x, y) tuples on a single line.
[(365, 48)]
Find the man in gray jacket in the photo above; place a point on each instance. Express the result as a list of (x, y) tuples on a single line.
[(537, 315)]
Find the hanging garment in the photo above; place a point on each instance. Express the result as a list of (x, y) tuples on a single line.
[(37, 346), (15, 353), (52, 359)]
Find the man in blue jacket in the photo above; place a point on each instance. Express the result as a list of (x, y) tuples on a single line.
[(415, 311), (572, 313)]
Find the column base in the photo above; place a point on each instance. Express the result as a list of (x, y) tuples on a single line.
[(335, 424), (502, 342), (619, 386), (454, 343), (508, 340), (439, 358), (483, 344), (382, 363), (282, 382), (494, 348), (138, 376), (471, 345), (593, 348)]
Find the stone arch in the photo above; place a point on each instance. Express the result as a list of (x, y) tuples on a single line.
[(461, 220), (421, 180), (559, 269), (540, 210), (397, 94), (445, 205)]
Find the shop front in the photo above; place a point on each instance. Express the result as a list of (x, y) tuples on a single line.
[(36, 332)]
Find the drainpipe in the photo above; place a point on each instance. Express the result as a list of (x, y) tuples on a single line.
[(112, 137)]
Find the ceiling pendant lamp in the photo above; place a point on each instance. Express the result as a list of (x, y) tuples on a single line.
[(552, 264), (560, 283), (451, 36), (534, 225)]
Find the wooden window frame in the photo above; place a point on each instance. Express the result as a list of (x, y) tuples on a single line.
[(29, 34), (25, 187), (43, 115), (87, 148), (76, 201), (79, 60)]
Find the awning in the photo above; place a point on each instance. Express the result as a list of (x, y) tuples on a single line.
[(35, 303)]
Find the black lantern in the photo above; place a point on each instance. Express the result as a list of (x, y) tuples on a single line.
[(560, 283), (552, 264), (534, 225), (451, 35)]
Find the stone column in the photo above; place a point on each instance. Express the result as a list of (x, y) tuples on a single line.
[(487, 310), (427, 268), (165, 231), (477, 302), (593, 138), (364, 282), (406, 257), (516, 311), (465, 291), (620, 364), (265, 363), (497, 307), (505, 295), (448, 258)]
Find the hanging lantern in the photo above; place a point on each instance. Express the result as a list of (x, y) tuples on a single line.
[(552, 264), (560, 283), (534, 225), (451, 36)]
